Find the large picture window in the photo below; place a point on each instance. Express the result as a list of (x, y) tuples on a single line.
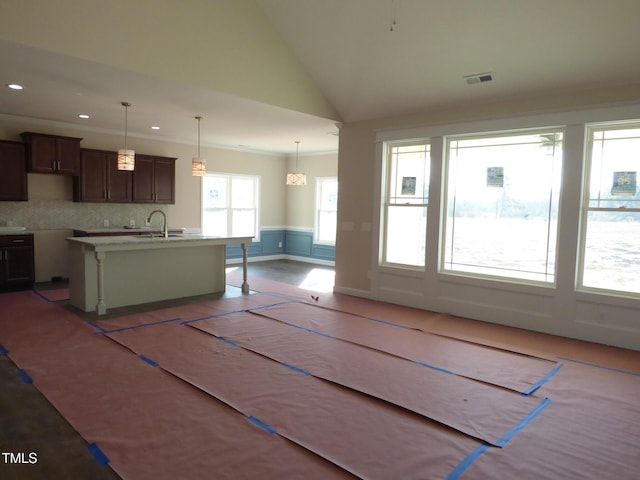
[(405, 203), (610, 247), (230, 205), (502, 205)]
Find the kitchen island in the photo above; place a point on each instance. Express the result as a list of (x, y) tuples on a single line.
[(117, 271)]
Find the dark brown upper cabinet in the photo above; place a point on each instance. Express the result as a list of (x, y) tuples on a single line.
[(52, 153), (154, 179), (100, 180), (13, 171)]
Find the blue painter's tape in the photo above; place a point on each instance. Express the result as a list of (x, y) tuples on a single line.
[(133, 327), (296, 369), (543, 380), (25, 376), (600, 366), (436, 368), (534, 413), (148, 360), (98, 327), (41, 296), (466, 463), (3, 351), (98, 454), (261, 424), (387, 322), (310, 330), (226, 340)]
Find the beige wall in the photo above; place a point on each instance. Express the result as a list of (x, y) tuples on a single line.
[(300, 200), (222, 45)]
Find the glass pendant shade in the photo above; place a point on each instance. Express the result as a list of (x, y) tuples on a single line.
[(126, 157), (296, 178), (198, 164), (126, 160), (198, 167)]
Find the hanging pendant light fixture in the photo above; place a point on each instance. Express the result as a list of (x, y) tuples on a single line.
[(296, 178), (126, 158), (198, 164)]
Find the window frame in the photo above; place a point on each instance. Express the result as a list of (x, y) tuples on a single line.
[(555, 197), (229, 177), (319, 210), (385, 201), (586, 208)]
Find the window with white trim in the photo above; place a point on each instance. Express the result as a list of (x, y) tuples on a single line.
[(405, 199), (230, 205), (326, 209), (501, 205), (610, 228)]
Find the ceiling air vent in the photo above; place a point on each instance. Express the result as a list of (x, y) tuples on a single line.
[(479, 78)]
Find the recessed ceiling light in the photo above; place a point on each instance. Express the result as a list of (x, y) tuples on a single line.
[(155, 127), (83, 115), (14, 86)]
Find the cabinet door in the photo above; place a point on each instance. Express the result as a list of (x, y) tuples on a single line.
[(18, 265), (13, 171), (119, 182), (52, 154), (164, 180), (93, 176), (68, 155), (42, 154), (143, 180)]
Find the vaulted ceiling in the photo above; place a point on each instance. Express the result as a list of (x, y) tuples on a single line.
[(265, 73)]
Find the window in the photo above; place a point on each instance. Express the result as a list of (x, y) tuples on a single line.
[(230, 205), (502, 205), (405, 202), (610, 247), (326, 209)]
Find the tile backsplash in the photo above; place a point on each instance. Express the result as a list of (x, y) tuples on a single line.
[(52, 214)]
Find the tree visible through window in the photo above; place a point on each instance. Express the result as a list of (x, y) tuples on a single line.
[(502, 205)]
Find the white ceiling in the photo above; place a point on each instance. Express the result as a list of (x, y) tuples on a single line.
[(365, 69)]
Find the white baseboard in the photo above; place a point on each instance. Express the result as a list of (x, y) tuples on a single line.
[(317, 261), (354, 292)]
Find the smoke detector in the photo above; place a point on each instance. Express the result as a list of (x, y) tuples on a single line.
[(479, 78)]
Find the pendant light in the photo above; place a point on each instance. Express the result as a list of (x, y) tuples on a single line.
[(126, 158), (296, 178), (198, 164)]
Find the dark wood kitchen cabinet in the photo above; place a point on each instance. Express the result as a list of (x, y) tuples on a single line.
[(154, 179), (100, 180), (52, 153), (16, 262), (13, 171)]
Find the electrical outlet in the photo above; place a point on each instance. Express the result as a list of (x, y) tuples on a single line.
[(105, 222)]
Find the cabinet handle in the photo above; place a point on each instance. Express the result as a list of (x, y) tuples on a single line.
[(17, 241)]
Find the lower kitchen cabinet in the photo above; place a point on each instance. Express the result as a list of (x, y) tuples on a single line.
[(16, 262)]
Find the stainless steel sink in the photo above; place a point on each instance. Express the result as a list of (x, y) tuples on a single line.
[(157, 236)]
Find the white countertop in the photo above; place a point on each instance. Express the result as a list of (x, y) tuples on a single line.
[(142, 242)]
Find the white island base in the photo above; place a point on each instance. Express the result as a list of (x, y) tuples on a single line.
[(109, 272)]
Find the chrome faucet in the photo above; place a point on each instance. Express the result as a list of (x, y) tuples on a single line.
[(165, 228)]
